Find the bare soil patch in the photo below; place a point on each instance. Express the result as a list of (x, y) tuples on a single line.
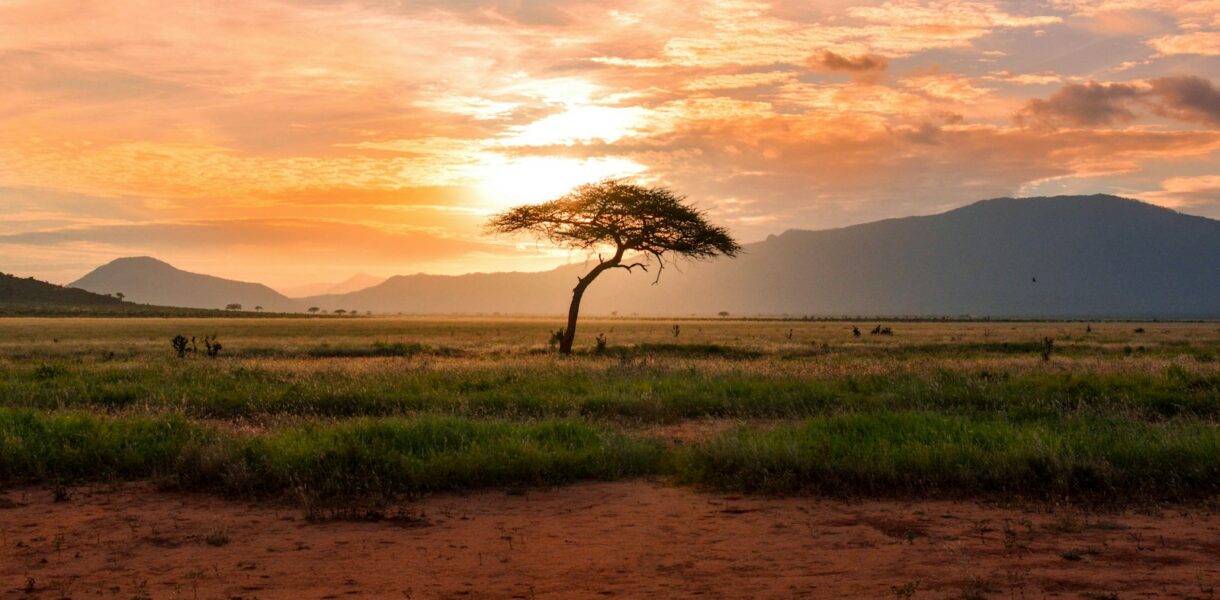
[(605, 540)]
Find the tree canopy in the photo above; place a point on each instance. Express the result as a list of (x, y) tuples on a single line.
[(654, 222)]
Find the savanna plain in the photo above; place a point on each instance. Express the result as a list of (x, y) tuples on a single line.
[(463, 458)]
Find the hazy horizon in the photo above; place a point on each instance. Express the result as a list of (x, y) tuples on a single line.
[(322, 287), (213, 138)]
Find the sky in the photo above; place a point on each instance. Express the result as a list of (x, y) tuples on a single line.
[(298, 141)]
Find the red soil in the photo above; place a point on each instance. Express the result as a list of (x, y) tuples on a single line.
[(625, 540)]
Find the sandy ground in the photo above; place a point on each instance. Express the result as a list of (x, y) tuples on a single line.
[(611, 540)]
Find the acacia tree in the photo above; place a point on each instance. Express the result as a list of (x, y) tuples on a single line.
[(654, 224)]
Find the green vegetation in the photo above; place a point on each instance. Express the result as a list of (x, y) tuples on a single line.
[(599, 389), (373, 408), (922, 453), (356, 458)]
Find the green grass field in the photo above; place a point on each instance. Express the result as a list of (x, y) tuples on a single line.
[(338, 409)]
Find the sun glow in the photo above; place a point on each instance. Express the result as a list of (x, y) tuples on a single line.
[(583, 124), (505, 182)]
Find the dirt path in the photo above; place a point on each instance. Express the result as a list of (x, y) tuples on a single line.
[(615, 540)]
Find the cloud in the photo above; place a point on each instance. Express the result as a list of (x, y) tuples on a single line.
[(738, 81), (1199, 194), (306, 238), (1187, 98), (946, 86), (747, 33), (864, 63), (1184, 98), (1083, 104), (1042, 78), (1205, 43)]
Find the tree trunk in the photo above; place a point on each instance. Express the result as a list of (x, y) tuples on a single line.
[(569, 334)]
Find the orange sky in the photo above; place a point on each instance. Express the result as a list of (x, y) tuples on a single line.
[(297, 141)]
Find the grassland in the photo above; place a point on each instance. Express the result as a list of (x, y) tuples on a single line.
[(371, 407)]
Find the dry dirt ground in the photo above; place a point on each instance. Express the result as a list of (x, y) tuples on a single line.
[(606, 540)]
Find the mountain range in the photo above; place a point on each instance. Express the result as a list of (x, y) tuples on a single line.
[(359, 281), (1065, 257)]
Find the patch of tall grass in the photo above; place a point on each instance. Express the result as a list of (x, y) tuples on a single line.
[(927, 454), (357, 458)]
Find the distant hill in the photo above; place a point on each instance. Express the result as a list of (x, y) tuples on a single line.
[(34, 298), (354, 283), (1069, 256), (150, 281), (29, 291)]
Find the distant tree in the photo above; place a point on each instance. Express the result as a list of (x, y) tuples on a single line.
[(723, 313), (340, 312), (258, 308), (120, 295), (654, 223), (313, 310), (233, 306)]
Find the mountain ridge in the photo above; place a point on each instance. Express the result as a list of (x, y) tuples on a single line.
[(930, 265), (355, 283)]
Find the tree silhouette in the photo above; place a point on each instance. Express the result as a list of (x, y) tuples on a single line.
[(120, 296), (653, 223), (233, 306), (258, 308), (313, 310)]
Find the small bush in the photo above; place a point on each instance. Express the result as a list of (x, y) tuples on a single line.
[(180, 345), (217, 538), (212, 345)]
